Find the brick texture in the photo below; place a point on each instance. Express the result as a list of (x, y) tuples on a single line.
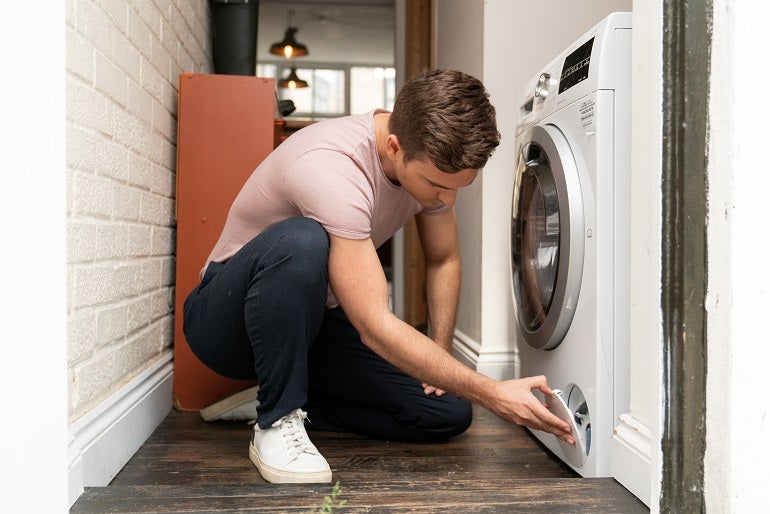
[(124, 58)]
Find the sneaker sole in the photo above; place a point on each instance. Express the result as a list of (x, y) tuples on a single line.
[(280, 476), (215, 410)]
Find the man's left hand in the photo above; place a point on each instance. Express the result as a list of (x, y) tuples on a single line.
[(429, 389)]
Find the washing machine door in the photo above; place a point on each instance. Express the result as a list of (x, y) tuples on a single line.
[(547, 245)]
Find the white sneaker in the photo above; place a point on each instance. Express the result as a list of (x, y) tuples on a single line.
[(236, 407), (283, 453)]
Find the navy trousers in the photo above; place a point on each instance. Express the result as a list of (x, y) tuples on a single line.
[(262, 315)]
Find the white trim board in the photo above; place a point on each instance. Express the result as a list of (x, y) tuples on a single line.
[(499, 365), (631, 456), (103, 441)]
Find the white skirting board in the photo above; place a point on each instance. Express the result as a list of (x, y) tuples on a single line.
[(631, 457), (103, 441), (500, 365)]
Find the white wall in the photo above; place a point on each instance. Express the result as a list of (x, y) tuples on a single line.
[(32, 185), (459, 26), (719, 459), (738, 420), (86, 197), (636, 457), (123, 63)]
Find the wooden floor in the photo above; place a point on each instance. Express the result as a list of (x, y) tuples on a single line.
[(191, 466)]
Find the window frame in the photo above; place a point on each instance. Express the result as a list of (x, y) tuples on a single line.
[(283, 67)]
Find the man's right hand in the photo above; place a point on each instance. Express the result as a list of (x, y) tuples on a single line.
[(515, 402)]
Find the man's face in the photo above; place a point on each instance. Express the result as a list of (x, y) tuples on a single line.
[(429, 185)]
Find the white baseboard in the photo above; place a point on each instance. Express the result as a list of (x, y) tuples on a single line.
[(631, 457), (465, 349), (498, 365), (103, 441)]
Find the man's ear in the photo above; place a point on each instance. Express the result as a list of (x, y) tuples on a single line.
[(392, 146)]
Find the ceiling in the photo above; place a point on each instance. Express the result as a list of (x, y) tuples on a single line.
[(335, 32)]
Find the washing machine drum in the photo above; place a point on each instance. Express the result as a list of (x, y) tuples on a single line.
[(547, 245)]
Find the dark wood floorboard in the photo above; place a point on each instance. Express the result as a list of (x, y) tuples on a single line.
[(189, 466)]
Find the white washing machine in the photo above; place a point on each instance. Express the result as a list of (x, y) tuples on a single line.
[(570, 241)]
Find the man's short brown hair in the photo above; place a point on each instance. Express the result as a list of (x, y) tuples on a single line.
[(446, 117)]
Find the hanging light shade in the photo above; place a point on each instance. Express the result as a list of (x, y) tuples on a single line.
[(292, 80), (289, 47)]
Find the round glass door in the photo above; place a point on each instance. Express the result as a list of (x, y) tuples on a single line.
[(546, 237)]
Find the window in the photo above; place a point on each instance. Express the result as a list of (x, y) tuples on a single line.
[(371, 88), (335, 90), (324, 96)]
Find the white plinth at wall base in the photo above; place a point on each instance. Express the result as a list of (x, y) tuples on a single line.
[(102, 441), (631, 456), (499, 365)]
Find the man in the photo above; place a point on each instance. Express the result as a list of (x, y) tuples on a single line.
[(294, 295)]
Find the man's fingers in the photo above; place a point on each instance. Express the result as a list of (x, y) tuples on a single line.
[(551, 423), (429, 389), (538, 382)]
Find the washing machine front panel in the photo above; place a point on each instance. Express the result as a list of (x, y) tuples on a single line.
[(589, 106), (578, 366), (546, 237)]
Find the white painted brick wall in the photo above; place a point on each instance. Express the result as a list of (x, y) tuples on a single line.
[(124, 58)]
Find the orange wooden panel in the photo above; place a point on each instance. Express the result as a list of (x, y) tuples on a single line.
[(226, 127)]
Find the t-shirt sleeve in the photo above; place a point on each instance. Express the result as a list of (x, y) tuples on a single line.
[(330, 188)]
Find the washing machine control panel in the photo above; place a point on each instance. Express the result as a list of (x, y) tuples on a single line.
[(581, 68), (559, 77), (576, 66)]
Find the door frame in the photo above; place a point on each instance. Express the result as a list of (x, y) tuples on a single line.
[(684, 278), (414, 52)]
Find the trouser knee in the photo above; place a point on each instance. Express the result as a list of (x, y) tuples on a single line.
[(458, 416), (300, 248), (440, 418), (256, 314)]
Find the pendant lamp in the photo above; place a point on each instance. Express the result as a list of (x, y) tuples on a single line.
[(292, 80), (289, 47)]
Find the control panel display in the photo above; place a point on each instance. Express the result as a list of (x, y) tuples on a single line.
[(576, 66)]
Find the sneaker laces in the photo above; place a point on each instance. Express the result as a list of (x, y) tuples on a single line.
[(294, 436)]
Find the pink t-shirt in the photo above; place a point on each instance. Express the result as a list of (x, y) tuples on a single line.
[(330, 172)]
